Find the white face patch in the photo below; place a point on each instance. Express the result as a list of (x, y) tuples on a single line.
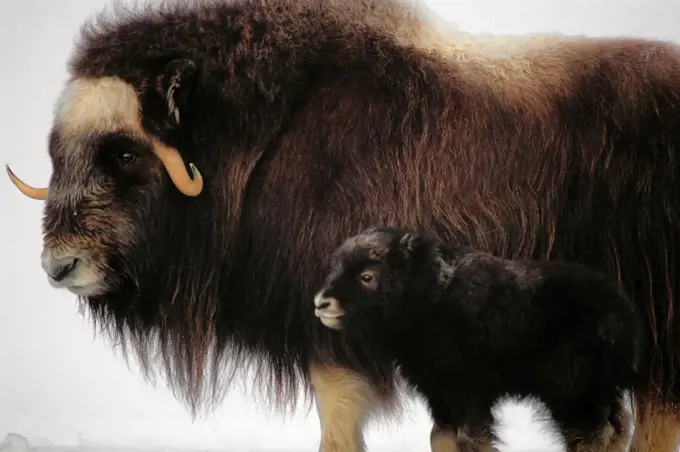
[(105, 104)]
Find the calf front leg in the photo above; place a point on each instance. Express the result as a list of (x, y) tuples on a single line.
[(461, 426), (464, 439), (343, 400)]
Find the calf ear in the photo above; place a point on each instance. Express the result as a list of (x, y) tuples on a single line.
[(409, 241), (174, 85), (414, 247)]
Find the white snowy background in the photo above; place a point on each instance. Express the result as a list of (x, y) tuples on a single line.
[(60, 386)]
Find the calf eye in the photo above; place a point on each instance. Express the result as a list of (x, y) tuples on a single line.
[(126, 157), (366, 278)]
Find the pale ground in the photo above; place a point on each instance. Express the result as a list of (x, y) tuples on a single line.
[(518, 429)]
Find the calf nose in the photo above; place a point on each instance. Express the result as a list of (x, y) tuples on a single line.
[(58, 267), (319, 302)]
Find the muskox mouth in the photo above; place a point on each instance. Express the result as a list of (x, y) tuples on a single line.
[(79, 288), (88, 290)]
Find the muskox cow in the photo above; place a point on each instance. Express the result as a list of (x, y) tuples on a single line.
[(206, 154), (467, 328)]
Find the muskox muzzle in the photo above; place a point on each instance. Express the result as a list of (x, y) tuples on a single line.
[(172, 161), (58, 268), (72, 268)]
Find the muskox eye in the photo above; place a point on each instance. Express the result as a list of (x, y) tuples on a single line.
[(366, 278), (126, 157)]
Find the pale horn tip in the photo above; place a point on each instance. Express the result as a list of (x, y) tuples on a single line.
[(32, 192)]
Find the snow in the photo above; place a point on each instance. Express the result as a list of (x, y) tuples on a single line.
[(64, 389), (519, 435)]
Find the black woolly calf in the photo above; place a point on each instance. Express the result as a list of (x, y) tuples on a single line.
[(467, 328)]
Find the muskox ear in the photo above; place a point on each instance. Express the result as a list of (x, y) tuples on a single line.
[(174, 85)]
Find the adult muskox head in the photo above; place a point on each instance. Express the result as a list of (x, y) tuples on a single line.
[(136, 210), (106, 178), (125, 225)]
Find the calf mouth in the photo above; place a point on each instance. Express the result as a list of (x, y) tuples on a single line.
[(328, 311)]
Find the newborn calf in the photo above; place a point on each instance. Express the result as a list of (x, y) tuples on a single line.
[(467, 328)]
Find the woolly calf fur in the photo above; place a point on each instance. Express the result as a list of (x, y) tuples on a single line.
[(467, 328)]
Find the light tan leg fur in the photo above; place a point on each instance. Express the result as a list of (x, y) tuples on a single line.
[(657, 431), (443, 440), (343, 400)]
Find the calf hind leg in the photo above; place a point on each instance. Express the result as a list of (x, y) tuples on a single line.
[(619, 420), (452, 432), (591, 427)]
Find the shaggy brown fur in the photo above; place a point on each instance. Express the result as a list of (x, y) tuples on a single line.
[(311, 120)]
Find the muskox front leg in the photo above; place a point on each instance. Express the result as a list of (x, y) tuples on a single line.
[(443, 439), (343, 399), (657, 426)]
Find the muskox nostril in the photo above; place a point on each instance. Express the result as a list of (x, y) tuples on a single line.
[(323, 305), (63, 268)]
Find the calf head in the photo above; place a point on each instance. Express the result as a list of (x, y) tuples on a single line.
[(368, 275)]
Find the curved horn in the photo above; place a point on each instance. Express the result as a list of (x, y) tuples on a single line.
[(32, 192), (174, 165)]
